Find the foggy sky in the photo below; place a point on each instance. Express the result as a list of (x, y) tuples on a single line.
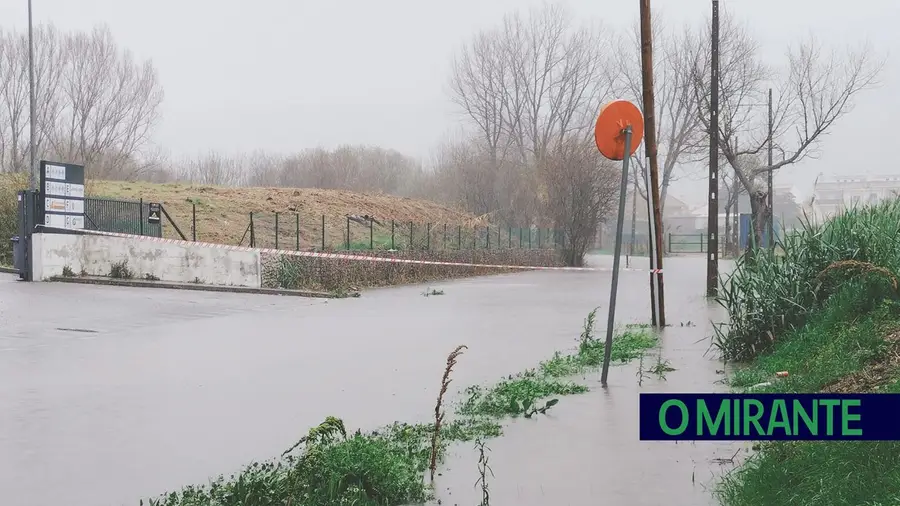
[(284, 75)]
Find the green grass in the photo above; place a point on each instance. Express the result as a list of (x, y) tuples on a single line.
[(380, 241), (382, 467), (626, 346), (788, 316), (821, 473), (520, 394), (840, 339), (514, 395)]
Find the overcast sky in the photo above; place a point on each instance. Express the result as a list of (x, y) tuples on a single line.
[(284, 75)]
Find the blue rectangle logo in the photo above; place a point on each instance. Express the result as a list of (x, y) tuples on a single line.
[(769, 417)]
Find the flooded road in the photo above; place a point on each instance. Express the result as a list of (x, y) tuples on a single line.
[(109, 395)]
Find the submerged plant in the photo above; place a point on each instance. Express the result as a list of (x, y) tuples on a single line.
[(587, 332), (640, 370), (438, 408), (484, 469), (661, 368)]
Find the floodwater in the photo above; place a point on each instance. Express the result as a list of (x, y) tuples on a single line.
[(109, 395)]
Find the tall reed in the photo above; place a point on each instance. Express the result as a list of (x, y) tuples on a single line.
[(438, 408), (774, 291)]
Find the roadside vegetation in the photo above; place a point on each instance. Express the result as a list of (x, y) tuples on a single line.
[(334, 465), (828, 313), (10, 184)]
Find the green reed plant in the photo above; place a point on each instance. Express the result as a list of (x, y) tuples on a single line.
[(770, 293)]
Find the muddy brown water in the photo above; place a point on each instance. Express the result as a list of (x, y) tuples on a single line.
[(109, 395)]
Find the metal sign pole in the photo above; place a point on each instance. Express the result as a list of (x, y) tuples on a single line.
[(607, 352)]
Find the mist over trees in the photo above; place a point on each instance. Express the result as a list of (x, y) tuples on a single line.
[(529, 89), (95, 105)]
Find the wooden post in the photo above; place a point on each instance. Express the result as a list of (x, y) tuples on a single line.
[(650, 146)]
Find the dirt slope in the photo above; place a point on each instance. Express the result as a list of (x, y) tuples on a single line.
[(223, 213)]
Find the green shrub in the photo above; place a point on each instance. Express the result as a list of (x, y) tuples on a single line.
[(10, 185)]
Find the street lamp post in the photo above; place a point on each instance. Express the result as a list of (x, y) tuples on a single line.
[(31, 145)]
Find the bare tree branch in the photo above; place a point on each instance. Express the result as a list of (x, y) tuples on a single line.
[(811, 94), (678, 126)]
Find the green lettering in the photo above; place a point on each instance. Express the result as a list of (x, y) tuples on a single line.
[(846, 417), (737, 418), (752, 418), (685, 418), (829, 418), (779, 418), (812, 423), (704, 419)]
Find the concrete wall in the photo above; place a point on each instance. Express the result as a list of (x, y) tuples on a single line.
[(95, 256)]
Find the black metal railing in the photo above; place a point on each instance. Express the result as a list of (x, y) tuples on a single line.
[(688, 243), (119, 216)]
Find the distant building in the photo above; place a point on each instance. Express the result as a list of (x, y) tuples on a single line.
[(834, 195), (683, 223)]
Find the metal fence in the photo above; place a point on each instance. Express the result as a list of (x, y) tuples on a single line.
[(293, 231), (687, 243), (120, 216)]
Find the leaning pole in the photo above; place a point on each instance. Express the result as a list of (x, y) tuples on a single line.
[(618, 133)]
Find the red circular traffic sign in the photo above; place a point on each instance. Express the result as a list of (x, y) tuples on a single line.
[(609, 132)]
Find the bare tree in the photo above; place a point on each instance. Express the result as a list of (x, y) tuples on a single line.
[(582, 188), (93, 105), (214, 168), (678, 127), (111, 103), (815, 90), (263, 168), (461, 170), (527, 87), (50, 62), (479, 87)]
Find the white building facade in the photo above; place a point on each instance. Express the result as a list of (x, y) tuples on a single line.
[(833, 196)]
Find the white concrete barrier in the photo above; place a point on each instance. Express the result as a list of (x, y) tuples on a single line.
[(95, 255)]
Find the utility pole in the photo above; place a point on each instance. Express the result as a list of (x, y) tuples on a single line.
[(650, 144), (712, 226), (633, 224), (31, 145), (771, 222)]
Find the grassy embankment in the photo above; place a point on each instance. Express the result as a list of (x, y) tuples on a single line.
[(421, 230), (223, 213), (390, 466), (828, 312)]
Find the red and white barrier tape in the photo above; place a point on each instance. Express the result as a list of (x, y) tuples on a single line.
[(333, 256)]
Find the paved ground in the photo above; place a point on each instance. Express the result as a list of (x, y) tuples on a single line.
[(111, 394)]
